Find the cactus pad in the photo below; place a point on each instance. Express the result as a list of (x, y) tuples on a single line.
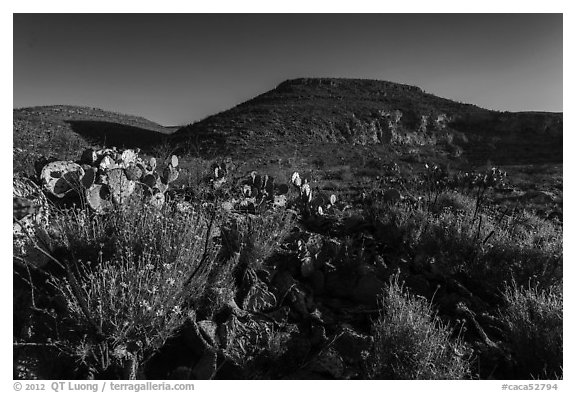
[(129, 157), (98, 198), (306, 192), (157, 199), (247, 190), (150, 180), (88, 157), (120, 187), (169, 175), (282, 189), (152, 164), (106, 163), (133, 172), (61, 177), (296, 181), (89, 177)]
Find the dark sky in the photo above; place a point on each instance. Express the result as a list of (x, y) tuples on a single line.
[(175, 69)]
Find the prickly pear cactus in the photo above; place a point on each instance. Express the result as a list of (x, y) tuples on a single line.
[(306, 260), (174, 161), (282, 189), (107, 176), (152, 164), (296, 181), (60, 177), (133, 172), (120, 187), (150, 180), (161, 186), (98, 198), (89, 176), (157, 199), (306, 192), (170, 174), (88, 157), (129, 157), (106, 163)]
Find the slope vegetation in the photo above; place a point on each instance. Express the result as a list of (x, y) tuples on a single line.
[(369, 112)]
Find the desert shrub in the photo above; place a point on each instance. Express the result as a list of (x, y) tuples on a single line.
[(453, 201), (490, 249), (122, 304), (255, 237), (533, 319), (410, 341), (271, 358)]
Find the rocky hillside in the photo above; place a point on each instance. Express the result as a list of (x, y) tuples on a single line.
[(62, 130), (370, 112)]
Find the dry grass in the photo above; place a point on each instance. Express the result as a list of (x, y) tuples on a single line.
[(410, 341)]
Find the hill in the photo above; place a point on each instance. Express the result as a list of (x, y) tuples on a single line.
[(329, 111), (63, 130)]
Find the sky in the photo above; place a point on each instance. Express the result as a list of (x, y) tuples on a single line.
[(175, 69)]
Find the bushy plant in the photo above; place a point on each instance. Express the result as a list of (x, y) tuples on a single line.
[(491, 249), (411, 342), (533, 319), (125, 301), (256, 237)]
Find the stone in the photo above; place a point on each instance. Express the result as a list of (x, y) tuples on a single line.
[(181, 373), (419, 285), (368, 289), (353, 346), (318, 336), (194, 339), (208, 330), (317, 280), (206, 367), (328, 362), (259, 299)]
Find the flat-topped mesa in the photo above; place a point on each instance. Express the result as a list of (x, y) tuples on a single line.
[(344, 82), (308, 111)]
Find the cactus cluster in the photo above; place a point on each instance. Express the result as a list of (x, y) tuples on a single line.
[(309, 203), (490, 178), (219, 173), (262, 189), (109, 177)]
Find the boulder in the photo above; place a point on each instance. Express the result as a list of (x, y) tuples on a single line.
[(352, 346), (206, 367)]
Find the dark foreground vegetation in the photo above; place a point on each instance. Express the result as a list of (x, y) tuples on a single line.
[(235, 275), (387, 234)]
